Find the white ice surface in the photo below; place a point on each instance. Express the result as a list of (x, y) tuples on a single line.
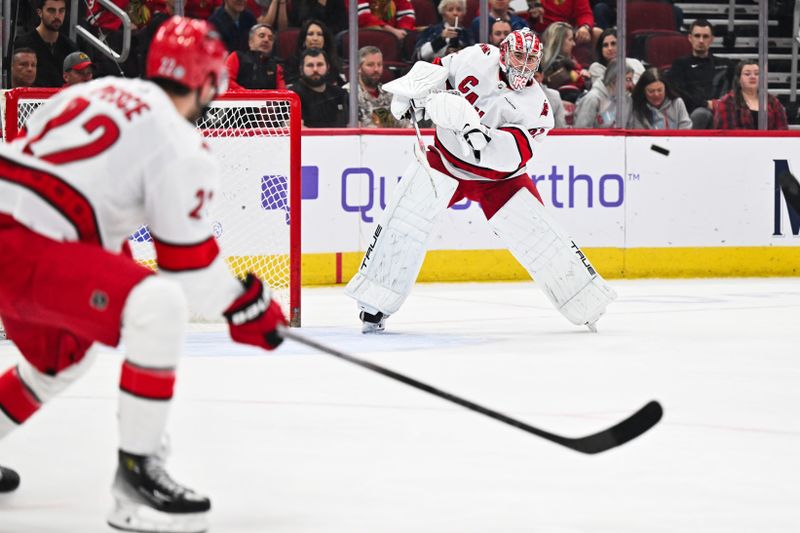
[(298, 441)]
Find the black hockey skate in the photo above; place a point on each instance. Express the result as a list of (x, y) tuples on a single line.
[(9, 480), (372, 323), (148, 499)]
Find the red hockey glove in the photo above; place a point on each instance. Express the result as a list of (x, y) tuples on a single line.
[(253, 318)]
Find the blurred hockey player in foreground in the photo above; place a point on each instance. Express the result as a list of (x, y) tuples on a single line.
[(99, 160), (486, 129)]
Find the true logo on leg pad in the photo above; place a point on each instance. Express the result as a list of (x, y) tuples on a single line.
[(371, 246), (583, 259)]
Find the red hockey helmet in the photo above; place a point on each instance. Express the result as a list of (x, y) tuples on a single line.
[(188, 51), (520, 55)]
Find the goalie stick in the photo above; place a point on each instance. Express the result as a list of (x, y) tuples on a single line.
[(630, 428), (420, 149)]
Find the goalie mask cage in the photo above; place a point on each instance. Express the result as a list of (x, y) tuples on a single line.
[(255, 135)]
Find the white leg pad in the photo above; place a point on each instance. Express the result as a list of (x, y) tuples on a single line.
[(553, 259), (395, 254), (154, 322)]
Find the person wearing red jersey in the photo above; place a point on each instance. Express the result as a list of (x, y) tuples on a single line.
[(99, 160), (394, 16), (487, 126)]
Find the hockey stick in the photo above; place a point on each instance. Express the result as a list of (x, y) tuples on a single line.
[(630, 428), (420, 154), (791, 189)]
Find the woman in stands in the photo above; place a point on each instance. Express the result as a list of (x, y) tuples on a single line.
[(598, 108), (332, 12), (605, 50), (559, 66), (738, 110), (449, 35), (655, 106), (313, 34)]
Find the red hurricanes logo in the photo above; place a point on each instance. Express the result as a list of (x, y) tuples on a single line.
[(545, 110)]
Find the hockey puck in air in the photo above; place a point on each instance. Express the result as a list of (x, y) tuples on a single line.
[(660, 150)]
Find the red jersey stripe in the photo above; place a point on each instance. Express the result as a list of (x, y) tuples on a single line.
[(68, 201), (150, 383), (180, 257), (16, 400), (523, 146), (473, 169)]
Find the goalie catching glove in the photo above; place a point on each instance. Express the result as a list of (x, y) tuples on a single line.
[(414, 87), (254, 317)]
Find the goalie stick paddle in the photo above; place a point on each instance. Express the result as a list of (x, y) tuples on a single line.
[(791, 189), (630, 428)]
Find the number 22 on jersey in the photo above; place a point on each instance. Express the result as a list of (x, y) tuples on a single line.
[(109, 133)]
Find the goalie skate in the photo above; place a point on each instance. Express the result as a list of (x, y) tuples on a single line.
[(148, 500), (9, 480), (372, 323)]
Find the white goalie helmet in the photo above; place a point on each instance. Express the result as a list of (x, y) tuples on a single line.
[(520, 55)]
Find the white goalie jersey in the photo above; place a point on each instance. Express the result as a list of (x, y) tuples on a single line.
[(517, 119), (110, 156)]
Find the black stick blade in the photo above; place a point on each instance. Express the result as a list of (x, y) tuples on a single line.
[(630, 428)]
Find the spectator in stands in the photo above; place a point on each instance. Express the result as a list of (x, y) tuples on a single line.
[(498, 9), (233, 22), (145, 37), (498, 31), (256, 68), (77, 68), (655, 106), (51, 46), (558, 64), (447, 36), (605, 50), (323, 105), (701, 78), (314, 34), (576, 13), (598, 108), (200, 9), (275, 16), (23, 67), (332, 12), (141, 11), (556, 103), (106, 26), (605, 13), (203, 9), (738, 110), (373, 101), (395, 16)]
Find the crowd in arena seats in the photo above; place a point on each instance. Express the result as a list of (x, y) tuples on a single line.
[(302, 45)]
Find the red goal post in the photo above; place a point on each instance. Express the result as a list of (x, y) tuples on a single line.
[(256, 137)]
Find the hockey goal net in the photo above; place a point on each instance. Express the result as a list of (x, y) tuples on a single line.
[(256, 137)]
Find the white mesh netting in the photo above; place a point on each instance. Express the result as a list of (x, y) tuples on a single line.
[(251, 213)]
